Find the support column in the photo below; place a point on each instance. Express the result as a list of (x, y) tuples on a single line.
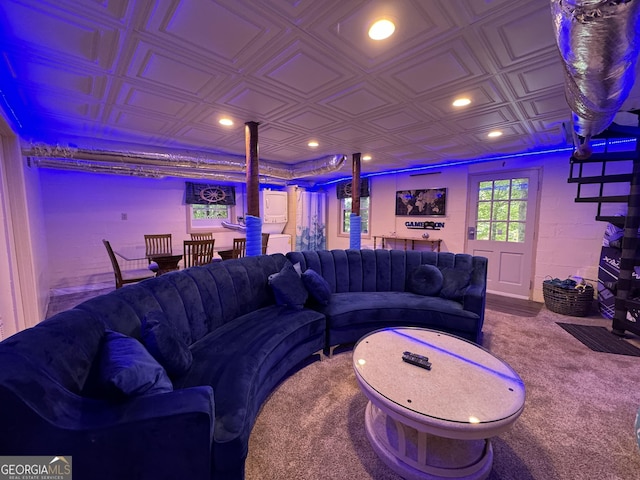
[(355, 184), (354, 224), (252, 218), (253, 181)]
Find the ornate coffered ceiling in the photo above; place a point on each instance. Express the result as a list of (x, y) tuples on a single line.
[(160, 74)]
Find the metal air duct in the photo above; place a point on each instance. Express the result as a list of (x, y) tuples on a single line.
[(598, 41), (160, 163)]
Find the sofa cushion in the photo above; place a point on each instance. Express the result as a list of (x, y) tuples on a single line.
[(317, 286), (426, 280), (64, 347), (243, 361), (165, 344), (127, 369), (454, 282), (351, 315), (288, 287)]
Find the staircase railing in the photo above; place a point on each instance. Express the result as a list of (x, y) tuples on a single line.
[(627, 308)]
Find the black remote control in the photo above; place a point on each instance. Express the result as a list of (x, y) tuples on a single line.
[(418, 360)]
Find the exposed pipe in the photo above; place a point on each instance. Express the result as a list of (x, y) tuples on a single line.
[(598, 42), (200, 165), (145, 171)]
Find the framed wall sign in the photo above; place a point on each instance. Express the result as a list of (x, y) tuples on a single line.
[(428, 202)]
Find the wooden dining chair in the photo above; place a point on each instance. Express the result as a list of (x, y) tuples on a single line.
[(198, 252), (157, 243), (239, 247), (265, 241), (125, 276), (202, 236)]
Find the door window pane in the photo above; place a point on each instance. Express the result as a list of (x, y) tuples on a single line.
[(518, 211), (501, 190), (502, 210), (483, 231), (485, 191), (484, 211), (499, 231), (516, 232), (520, 188)]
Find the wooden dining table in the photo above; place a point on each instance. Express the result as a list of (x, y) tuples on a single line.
[(167, 261)]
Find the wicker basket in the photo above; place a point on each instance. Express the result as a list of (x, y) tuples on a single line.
[(576, 302)]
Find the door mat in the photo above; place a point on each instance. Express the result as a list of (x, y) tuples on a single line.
[(599, 339)]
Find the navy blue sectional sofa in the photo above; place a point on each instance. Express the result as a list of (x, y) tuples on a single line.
[(165, 378)]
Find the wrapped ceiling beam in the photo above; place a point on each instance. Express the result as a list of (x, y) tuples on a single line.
[(598, 41)]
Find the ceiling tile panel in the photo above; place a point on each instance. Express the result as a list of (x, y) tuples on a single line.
[(535, 77), (302, 71), (547, 104), (51, 77), (62, 106), (357, 101), (479, 9), (154, 66), (483, 94), (437, 69), (396, 121), (59, 33), (345, 28), (508, 131), (254, 101), (308, 119), (151, 101), (137, 122), (377, 143), (272, 134), (351, 134), (424, 134), (210, 27), (200, 135), (521, 34), (487, 119)]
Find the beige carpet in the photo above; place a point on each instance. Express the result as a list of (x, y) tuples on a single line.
[(577, 423)]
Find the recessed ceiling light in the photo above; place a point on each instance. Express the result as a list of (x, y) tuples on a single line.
[(227, 122), (494, 134), (313, 143), (461, 102), (381, 29), (366, 158)]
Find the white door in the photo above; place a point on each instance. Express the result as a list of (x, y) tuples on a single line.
[(501, 226)]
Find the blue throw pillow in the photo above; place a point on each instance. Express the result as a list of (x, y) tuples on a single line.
[(426, 280), (317, 286), (163, 342), (126, 368), (288, 288), (454, 283)]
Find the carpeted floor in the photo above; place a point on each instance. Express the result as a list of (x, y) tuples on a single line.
[(577, 423)]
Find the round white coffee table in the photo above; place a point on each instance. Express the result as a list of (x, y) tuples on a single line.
[(434, 424)]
